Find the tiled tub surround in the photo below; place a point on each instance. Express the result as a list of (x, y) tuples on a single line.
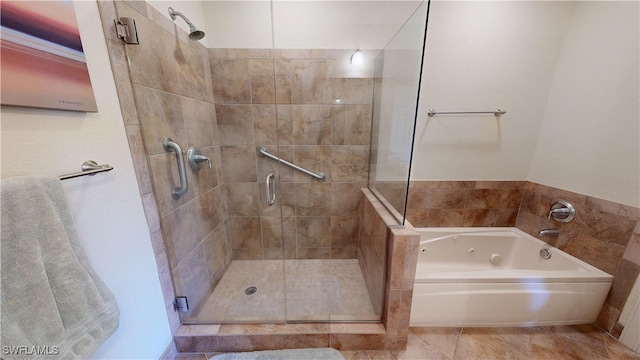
[(301, 106), (604, 234), (401, 254)]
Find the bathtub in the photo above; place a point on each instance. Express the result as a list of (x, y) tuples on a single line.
[(498, 277)]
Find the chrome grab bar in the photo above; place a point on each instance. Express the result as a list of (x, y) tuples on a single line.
[(271, 189), (168, 145), (262, 151)]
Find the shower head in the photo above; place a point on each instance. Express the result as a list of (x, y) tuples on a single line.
[(194, 33)]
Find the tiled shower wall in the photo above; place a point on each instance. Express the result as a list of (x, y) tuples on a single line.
[(298, 105), (604, 234), (166, 88), (169, 78)]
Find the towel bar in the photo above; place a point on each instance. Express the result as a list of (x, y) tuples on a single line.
[(89, 167), (496, 112)]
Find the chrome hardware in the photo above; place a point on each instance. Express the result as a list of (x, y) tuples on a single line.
[(545, 254), (271, 189), (262, 151), (126, 30), (195, 157), (549, 232), (168, 145), (181, 304), (88, 167), (496, 113), (562, 211)]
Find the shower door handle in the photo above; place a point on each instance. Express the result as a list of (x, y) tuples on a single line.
[(271, 189), (169, 144)]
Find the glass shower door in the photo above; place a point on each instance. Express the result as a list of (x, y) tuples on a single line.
[(324, 110)]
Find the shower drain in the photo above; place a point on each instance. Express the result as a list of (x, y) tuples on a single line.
[(251, 290)]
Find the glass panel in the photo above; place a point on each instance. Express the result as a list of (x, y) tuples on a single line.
[(397, 79), (242, 69), (325, 98)]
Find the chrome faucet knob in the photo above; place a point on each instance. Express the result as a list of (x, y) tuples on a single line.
[(562, 211), (559, 213), (195, 157), (202, 158)]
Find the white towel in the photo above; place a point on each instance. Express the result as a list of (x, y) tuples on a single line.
[(53, 303)]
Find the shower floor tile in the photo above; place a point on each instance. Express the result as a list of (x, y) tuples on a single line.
[(317, 290)]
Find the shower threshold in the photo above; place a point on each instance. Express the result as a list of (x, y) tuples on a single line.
[(253, 291)]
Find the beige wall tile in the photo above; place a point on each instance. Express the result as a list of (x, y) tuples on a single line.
[(348, 91), (231, 82), (198, 117), (344, 231), (262, 73), (161, 117), (191, 278), (191, 61), (242, 199), (215, 248), (313, 199), (139, 157), (265, 124), (182, 231), (315, 158), (351, 124), (625, 277), (350, 163), (311, 124), (212, 210), (633, 247), (239, 163), (272, 236), (308, 80), (315, 253), (245, 232), (235, 124), (345, 197), (313, 232), (614, 228)]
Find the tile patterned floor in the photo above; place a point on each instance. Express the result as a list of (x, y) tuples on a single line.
[(578, 342), (318, 290)]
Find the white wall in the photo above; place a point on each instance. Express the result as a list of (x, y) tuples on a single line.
[(589, 140), (106, 208), (238, 24), (481, 56), (304, 24), (565, 72)]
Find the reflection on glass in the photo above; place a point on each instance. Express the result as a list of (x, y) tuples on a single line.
[(396, 88)]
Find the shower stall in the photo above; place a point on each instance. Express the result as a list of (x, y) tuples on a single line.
[(271, 230)]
